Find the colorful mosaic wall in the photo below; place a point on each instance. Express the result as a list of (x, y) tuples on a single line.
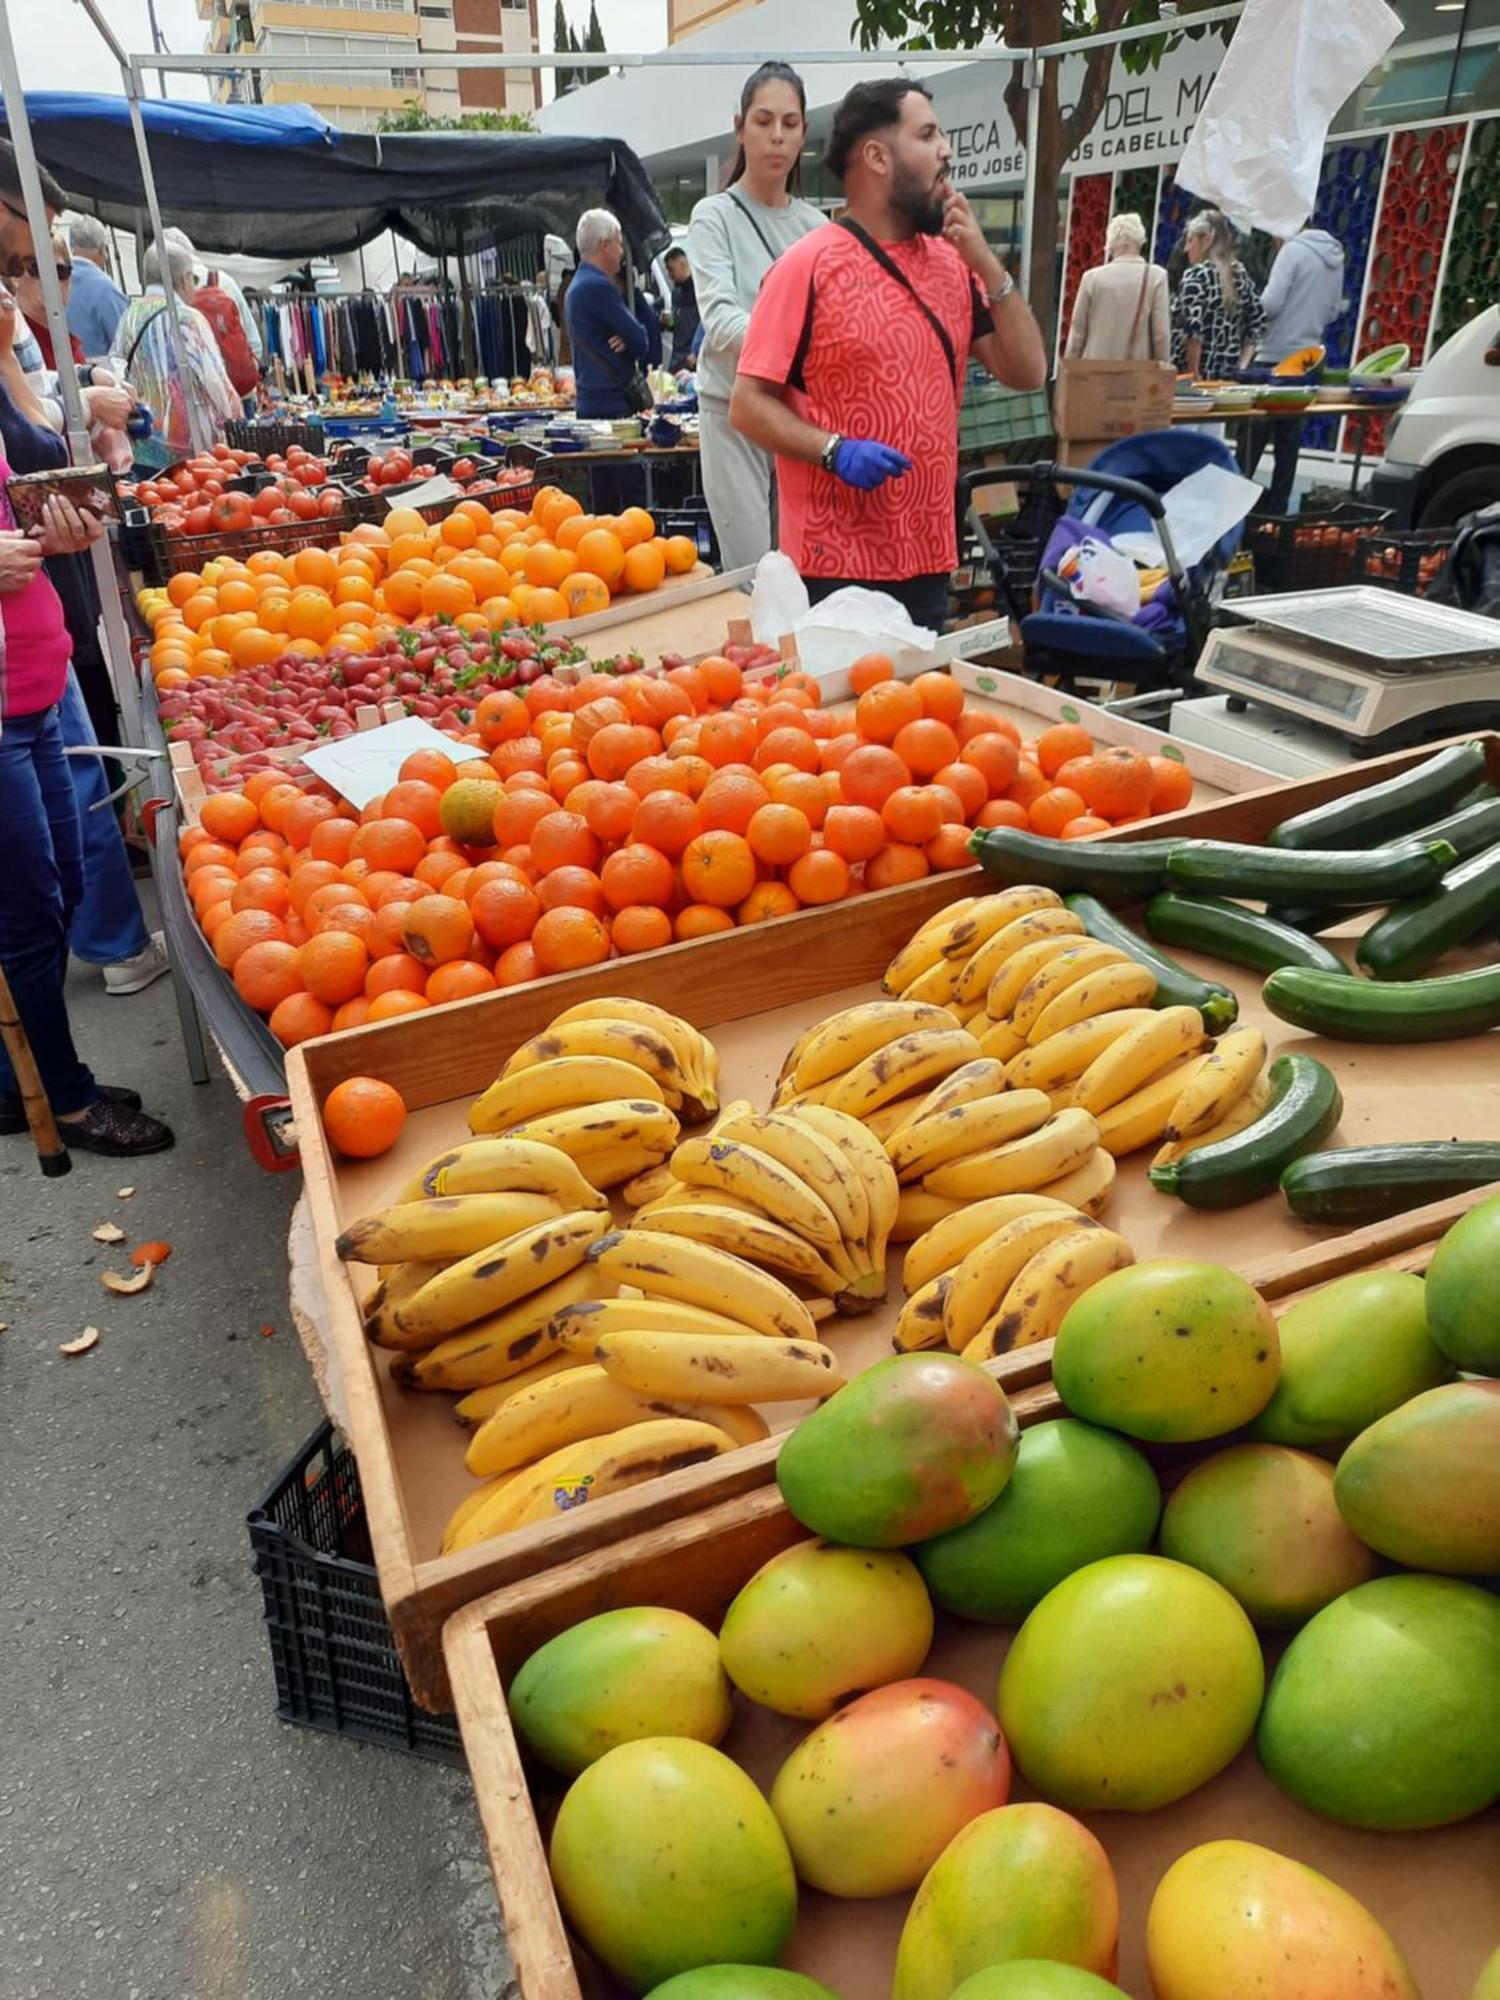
[(1348, 194), (1088, 218), (1174, 206), (1469, 276), (1135, 194), (1419, 186)]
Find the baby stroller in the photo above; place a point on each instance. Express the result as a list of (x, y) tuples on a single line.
[(1066, 639)]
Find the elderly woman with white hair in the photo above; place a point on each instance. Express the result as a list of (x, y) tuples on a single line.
[(1122, 312), (143, 353)]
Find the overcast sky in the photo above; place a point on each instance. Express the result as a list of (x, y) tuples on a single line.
[(58, 48)]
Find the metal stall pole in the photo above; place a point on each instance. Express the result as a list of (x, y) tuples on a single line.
[(1033, 76)]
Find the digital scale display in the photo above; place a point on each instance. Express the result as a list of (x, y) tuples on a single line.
[(1260, 674)]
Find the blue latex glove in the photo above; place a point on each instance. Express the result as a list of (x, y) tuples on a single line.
[(866, 463)]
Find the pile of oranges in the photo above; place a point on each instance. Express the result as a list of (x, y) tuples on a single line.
[(479, 569), (617, 815)]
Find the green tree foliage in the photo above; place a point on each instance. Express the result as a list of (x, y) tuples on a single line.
[(415, 117), (563, 80)]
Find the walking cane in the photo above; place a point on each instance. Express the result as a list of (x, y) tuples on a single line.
[(50, 1150)]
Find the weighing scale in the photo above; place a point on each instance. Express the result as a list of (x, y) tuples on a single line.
[(1380, 669)]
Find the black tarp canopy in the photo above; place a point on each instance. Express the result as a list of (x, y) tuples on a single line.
[(278, 181)]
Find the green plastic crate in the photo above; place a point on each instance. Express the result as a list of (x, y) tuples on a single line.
[(993, 416)]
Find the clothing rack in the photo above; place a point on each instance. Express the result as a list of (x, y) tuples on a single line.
[(415, 331)]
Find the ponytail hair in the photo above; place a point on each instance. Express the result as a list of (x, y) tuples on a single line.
[(769, 72)]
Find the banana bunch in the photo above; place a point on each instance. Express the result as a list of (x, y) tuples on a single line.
[(1000, 1274), (1227, 1091), (633, 1050), (804, 1191), (873, 1055)]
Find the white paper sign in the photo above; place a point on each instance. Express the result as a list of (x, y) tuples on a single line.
[(364, 765), (439, 487)]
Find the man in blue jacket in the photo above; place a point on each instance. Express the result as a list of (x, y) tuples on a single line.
[(609, 343)]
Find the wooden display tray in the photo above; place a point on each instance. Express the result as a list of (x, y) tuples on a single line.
[(1438, 1893), (754, 990)]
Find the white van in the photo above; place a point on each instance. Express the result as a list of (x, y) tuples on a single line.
[(1442, 450)]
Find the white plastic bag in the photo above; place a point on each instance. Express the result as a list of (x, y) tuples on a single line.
[(1257, 147), (778, 598)]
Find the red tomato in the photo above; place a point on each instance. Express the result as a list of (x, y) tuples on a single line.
[(200, 521), (232, 511)]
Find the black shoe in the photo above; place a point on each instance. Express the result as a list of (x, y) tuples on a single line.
[(113, 1128), (13, 1115)]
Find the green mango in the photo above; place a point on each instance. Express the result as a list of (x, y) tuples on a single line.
[(913, 1446), (742, 1982), (1488, 1986), (1262, 1520), (1423, 1484), (1385, 1709), (1350, 1352), (1077, 1493), (1462, 1308)]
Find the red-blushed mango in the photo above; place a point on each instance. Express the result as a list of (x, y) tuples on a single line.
[(742, 1982), (1462, 1309), (1231, 1917), (1133, 1682), (817, 1624), (1423, 1484), (1024, 1881), (871, 1798), (1167, 1351), (912, 1447), (1350, 1351), (1385, 1709), (1037, 1979), (665, 1856), (1261, 1519)]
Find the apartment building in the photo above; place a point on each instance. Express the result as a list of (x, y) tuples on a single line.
[(402, 32)]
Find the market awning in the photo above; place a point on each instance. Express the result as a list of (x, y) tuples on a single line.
[(279, 181)]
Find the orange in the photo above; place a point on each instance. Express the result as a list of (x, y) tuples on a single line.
[(353, 587), (788, 745), (884, 710), (298, 1018), (802, 789), (390, 843), (433, 767), (333, 965), (547, 607), (967, 785), (516, 813), (1119, 784), (516, 756), (637, 874), (228, 816), (609, 809), (438, 868), (941, 697), (767, 900), (1003, 812), (869, 775), (984, 722), (601, 553), (500, 716), (547, 565), (995, 757), (570, 531), (912, 813), (235, 596), (564, 839), (311, 875), (516, 965), (316, 567), (1171, 785), (636, 527), (332, 839), (727, 739), (437, 930), (266, 973), (1027, 785), (505, 912), (397, 972), (199, 608), (1083, 826), (557, 508), (718, 867), (241, 930), (640, 927), (701, 920), (445, 596), (401, 594), (356, 919), (572, 888), (311, 615), (779, 834), (615, 748), (263, 889), (894, 864), (464, 979), (1051, 810), (722, 678), (869, 670), (666, 821), (415, 800), (680, 553), (363, 1117), (925, 746), (820, 876), (949, 847), (567, 938), (730, 800), (386, 1006), (645, 566), (353, 1014), (658, 773), (854, 833), (458, 531), (584, 594), (1057, 744)]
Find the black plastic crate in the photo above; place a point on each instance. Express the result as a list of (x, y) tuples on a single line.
[(1312, 550), (247, 434), (375, 506), (691, 518), (1408, 562), (337, 1668), (166, 554)]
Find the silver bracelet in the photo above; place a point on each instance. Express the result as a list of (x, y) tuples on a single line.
[(999, 298)]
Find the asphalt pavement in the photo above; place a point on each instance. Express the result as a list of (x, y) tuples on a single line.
[(163, 1836)]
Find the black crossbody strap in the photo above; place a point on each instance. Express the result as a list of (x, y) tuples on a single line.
[(866, 241), (141, 332), (765, 241)]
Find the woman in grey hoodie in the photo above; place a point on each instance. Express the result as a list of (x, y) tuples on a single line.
[(1304, 292)]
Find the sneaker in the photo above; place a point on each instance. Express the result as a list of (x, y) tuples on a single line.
[(13, 1113), (114, 1128), (134, 975)]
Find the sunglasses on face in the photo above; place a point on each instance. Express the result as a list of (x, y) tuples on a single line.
[(27, 267)]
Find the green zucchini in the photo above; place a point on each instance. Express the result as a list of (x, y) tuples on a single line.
[(1313, 875), (1359, 1184), (1415, 934), (1120, 872), (1386, 1010), (1360, 819), (1221, 929), (1175, 985), (1304, 1108), (1471, 829)]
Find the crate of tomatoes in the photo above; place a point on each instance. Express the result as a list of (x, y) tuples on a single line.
[(228, 501)]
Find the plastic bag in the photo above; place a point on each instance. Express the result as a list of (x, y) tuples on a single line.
[(1257, 148)]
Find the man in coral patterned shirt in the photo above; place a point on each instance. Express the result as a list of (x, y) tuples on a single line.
[(853, 367)]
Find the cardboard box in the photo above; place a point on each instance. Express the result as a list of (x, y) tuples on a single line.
[(1112, 399)]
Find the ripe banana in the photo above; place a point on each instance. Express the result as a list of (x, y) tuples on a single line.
[(917, 1211), (1244, 1111), (1047, 921), (615, 1164), (1140, 1119), (380, 1307), (719, 1368), (919, 1323), (587, 1130), (983, 1077), (891, 1117), (926, 946), (1089, 1187), (1010, 982), (577, 1327), (753, 1236), (947, 1241), (1232, 1065), (937, 984), (650, 1186), (507, 1166), (1138, 1056), (696, 1054), (1056, 976), (696, 1274), (475, 1405), (848, 1037), (479, 1286), (631, 1042), (471, 1505), (977, 1288), (1023, 1166), (755, 1177), (855, 1142), (556, 1086), (991, 914), (1063, 1057), (584, 1403), (507, 1344), (1102, 991), (912, 1060), (797, 1146), (1039, 1298), (999, 1040), (966, 1129), (447, 1226)]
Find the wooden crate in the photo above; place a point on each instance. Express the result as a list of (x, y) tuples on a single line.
[(754, 990), (1438, 1892)]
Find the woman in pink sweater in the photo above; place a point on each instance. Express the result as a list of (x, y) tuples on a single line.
[(41, 842)]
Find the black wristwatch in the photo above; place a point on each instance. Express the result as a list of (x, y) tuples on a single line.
[(830, 451)]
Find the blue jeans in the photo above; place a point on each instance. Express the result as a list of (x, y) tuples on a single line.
[(41, 883), (107, 925)]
